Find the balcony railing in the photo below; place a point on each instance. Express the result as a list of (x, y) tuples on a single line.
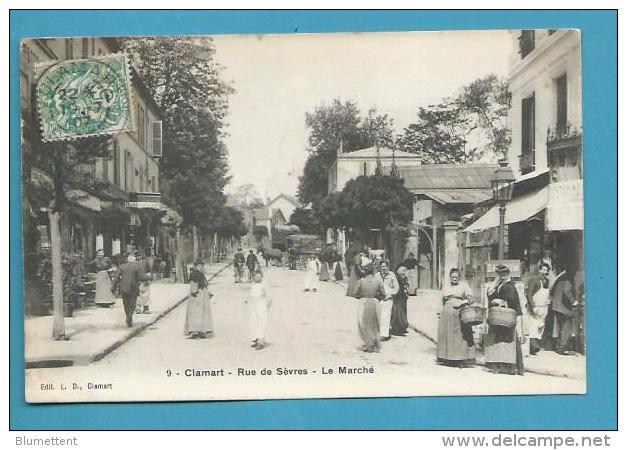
[(527, 162), (563, 136)]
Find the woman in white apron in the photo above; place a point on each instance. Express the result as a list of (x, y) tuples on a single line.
[(538, 301), (104, 286), (313, 269)]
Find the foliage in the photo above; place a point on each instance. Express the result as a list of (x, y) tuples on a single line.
[(184, 80), (444, 132), (332, 125), (230, 222), (260, 231), (73, 268), (305, 220), (367, 202)]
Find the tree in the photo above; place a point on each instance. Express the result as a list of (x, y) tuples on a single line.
[(444, 132), (63, 161), (184, 80), (246, 193), (332, 125), (367, 202), (260, 231), (438, 135), (306, 221)]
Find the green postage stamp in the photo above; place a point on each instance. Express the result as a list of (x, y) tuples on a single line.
[(84, 97)]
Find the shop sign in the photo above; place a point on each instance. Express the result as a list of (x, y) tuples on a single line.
[(482, 238), (565, 209)]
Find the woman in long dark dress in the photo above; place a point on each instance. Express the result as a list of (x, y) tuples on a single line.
[(356, 273), (503, 350), (198, 319), (368, 292), (455, 339), (398, 323)]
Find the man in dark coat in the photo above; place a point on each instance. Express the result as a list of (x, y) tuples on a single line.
[(251, 263), (563, 303), (130, 274)]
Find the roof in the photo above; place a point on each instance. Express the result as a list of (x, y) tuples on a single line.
[(384, 152), (448, 176), (461, 196), (285, 196)]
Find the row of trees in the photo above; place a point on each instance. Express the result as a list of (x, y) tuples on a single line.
[(460, 129), (184, 80)]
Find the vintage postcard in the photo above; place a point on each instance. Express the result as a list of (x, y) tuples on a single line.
[(303, 216)]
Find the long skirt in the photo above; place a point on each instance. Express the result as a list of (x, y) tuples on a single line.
[(399, 323), (338, 272), (353, 281), (143, 301), (258, 318), (368, 324), (324, 271), (412, 278), (104, 293), (311, 280), (385, 317), (503, 351), (455, 339), (198, 318)]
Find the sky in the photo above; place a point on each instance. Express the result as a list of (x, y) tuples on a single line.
[(278, 78)]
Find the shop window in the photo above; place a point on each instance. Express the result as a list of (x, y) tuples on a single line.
[(116, 163)]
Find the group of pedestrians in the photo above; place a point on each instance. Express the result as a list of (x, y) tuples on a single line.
[(548, 306), (382, 298)]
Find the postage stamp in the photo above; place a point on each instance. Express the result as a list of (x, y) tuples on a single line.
[(84, 97)]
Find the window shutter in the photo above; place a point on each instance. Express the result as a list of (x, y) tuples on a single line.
[(157, 141)]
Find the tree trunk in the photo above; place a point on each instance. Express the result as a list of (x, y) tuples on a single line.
[(195, 237), (58, 324), (179, 257)]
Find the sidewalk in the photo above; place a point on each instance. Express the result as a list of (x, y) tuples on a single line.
[(95, 332), (421, 312)]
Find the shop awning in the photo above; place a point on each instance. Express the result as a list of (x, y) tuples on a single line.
[(83, 199), (518, 210), (146, 205), (455, 196)]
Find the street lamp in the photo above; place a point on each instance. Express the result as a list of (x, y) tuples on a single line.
[(502, 189)]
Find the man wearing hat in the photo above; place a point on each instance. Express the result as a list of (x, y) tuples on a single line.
[(238, 265), (503, 350), (130, 275)]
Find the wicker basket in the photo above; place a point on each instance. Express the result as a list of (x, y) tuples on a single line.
[(471, 315), (499, 316)]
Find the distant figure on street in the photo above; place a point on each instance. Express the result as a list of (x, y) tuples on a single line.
[(411, 263), (356, 273), (239, 260), (399, 323), (129, 276), (104, 285), (324, 266), (337, 273), (538, 301), (390, 283), (313, 269), (455, 346), (251, 262), (198, 318), (259, 305), (369, 291)]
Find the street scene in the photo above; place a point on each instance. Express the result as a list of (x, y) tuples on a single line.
[(312, 216)]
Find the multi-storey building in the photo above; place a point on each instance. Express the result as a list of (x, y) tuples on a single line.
[(115, 202)]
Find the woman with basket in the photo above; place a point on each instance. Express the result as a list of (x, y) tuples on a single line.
[(502, 348), (198, 318), (455, 339)]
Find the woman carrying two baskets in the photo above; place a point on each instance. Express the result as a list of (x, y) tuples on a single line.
[(455, 339), (502, 347)]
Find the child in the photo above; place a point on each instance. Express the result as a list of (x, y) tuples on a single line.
[(259, 305), (143, 301)]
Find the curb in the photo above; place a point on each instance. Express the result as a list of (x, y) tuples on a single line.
[(99, 354)]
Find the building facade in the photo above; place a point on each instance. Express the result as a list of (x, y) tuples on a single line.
[(114, 202)]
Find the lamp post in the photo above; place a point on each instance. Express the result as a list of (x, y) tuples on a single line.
[(502, 189)]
